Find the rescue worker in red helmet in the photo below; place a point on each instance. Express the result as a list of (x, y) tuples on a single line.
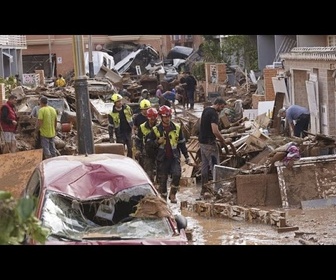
[(121, 123), (146, 158), (168, 139)]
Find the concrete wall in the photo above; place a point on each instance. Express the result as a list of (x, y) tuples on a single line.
[(311, 40), (266, 50)]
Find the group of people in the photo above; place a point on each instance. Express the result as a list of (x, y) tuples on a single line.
[(158, 141), (150, 137), (183, 91), (45, 126)]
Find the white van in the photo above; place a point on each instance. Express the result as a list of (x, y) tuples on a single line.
[(99, 58)]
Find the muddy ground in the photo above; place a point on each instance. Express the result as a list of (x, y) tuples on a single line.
[(315, 226)]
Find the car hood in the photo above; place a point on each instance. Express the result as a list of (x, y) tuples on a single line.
[(92, 176), (178, 240)]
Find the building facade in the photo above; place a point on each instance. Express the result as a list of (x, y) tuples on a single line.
[(11, 47)]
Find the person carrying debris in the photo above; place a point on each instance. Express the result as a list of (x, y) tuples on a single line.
[(121, 123), (168, 139), (146, 158), (46, 125), (181, 96), (168, 98), (208, 134), (60, 82), (300, 115), (9, 122)]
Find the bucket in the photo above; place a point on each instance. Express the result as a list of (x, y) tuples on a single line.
[(66, 127)]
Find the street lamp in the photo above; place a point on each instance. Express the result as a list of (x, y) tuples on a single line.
[(83, 113)]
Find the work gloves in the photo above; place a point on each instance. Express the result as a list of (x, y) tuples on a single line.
[(160, 140)]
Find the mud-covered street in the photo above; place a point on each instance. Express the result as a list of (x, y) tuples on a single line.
[(315, 227)]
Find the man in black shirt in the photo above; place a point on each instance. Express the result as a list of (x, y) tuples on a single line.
[(208, 134), (190, 89)]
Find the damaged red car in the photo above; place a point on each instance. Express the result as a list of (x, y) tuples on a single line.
[(101, 199)]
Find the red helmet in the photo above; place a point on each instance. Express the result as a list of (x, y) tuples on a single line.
[(165, 111), (152, 113)]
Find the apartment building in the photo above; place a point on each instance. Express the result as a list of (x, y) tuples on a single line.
[(11, 47)]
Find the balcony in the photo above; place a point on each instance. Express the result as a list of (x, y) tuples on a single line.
[(13, 42)]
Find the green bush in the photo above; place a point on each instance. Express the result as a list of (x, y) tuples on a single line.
[(10, 83), (17, 220)]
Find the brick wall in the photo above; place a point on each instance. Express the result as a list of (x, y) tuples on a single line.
[(300, 72), (268, 85)]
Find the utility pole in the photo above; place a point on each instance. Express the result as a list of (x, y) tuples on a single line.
[(50, 59), (83, 113), (91, 70)]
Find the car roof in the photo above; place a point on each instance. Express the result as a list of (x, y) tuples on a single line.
[(179, 52), (93, 175)]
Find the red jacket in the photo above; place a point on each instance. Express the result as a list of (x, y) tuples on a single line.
[(6, 125)]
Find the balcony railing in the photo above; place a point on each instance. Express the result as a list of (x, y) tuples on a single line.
[(13, 42)]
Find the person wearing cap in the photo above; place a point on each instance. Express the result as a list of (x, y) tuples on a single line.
[(46, 125), (121, 123), (144, 95), (8, 124), (298, 118), (167, 138)]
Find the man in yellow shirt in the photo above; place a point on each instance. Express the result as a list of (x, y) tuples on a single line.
[(47, 122), (60, 82)]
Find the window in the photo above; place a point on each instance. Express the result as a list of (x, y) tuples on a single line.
[(188, 44), (177, 37), (331, 40), (188, 37)]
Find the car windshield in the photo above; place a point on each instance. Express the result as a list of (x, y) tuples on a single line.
[(131, 214), (59, 104)]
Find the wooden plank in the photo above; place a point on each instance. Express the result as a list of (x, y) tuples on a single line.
[(225, 121), (286, 229), (278, 104), (187, 170)]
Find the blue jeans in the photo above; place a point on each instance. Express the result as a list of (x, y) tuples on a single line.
[(48, 146), (209, 157)]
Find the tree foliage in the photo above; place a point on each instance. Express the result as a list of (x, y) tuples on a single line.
[(10, 83), (234, 49), (240, 50), (17, 220)]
